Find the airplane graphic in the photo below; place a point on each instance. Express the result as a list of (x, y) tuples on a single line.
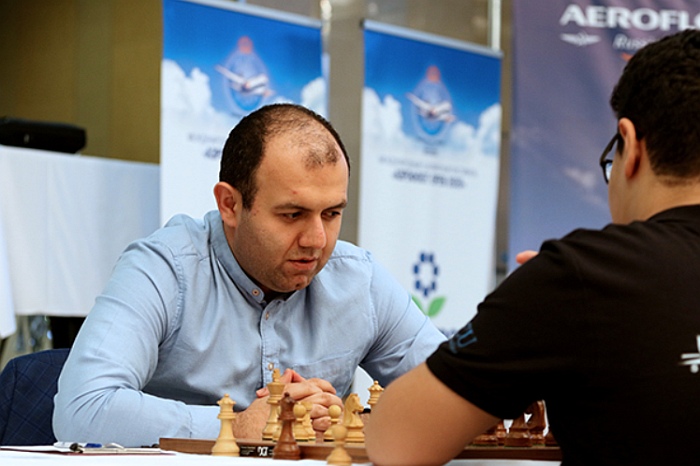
[(692, 359), (580, 40), (254, 85), (441, 111)]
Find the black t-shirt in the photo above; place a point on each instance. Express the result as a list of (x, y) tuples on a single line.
[(601, 325)]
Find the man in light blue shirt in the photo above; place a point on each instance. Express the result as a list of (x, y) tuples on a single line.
[(207, 307)]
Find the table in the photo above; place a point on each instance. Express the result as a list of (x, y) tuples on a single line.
[(180, 459), (314, 450), (28, 459), (65, 219)]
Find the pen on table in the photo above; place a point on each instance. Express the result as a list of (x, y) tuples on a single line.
[(76, 446)]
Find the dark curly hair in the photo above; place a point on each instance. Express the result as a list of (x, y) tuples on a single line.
[(659, 91), (245, 146)]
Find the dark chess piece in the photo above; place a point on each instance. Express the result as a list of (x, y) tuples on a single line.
[(487, 439), (536, 424), (549, 439), (286, 448), (501, 433), (518, 434)]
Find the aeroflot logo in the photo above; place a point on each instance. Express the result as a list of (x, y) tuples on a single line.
[(644, 19)]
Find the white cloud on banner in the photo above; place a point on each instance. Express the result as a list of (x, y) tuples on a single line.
[(183, 93), (191, 95), (488, 136), (381, 122), (382, 125), (314, 96)]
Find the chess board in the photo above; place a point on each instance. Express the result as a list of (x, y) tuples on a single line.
[(321, 450)]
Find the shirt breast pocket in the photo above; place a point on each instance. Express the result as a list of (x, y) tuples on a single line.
[(339, 370)]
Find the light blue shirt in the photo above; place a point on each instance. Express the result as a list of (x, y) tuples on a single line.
[(180, 324)]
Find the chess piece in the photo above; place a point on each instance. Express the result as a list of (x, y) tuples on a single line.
[(501, 433), (276, 388), (518, 434), (487, 439), (352, 421), (334, 412), (549, 440), (308, 424), (536, 424), (299, 429), (339, 456), (225, 444), (375, 392), (286, 448)]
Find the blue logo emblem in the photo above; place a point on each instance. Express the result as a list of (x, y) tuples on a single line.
[(426, 272), (463, 338), (245, 78), (431, 109)]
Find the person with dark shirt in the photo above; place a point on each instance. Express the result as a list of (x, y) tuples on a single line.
[(603, 325)]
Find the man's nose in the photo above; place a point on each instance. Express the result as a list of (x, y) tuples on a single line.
[(314, 235)]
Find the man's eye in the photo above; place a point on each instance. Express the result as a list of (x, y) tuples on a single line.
[(292, 215), (333, 213)]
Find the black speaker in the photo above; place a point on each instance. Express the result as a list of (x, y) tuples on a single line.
[(58, 137)]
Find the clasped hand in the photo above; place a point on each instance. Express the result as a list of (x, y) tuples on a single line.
[(320, 393)]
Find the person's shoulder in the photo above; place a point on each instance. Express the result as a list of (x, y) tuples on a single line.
[(346, 251), (614, 245), (348, 258), (183, 234)]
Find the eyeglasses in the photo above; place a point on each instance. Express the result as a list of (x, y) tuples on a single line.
[(605, 163)]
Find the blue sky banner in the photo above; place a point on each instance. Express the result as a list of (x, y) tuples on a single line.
[(431, 125), (567, 57), (221, 61)]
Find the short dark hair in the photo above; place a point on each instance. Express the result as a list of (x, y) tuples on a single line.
[(659, 91), (245, 146)]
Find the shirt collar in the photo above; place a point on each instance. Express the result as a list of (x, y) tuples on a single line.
[(685, 212), (225, 257)]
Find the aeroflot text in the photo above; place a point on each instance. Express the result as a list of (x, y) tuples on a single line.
[(645, 19)]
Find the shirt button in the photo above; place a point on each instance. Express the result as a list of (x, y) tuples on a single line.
[(270, 366), (256, 292)]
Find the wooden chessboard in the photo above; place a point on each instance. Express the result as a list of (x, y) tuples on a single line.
[(319, 451)]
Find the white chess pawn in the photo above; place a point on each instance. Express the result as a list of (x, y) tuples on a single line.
[(300, 434), (334, 412), (339, 456)]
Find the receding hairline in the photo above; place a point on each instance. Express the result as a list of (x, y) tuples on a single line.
[(320, 145)]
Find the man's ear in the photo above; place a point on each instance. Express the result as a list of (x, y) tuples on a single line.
[(633, 150), (230, 203)]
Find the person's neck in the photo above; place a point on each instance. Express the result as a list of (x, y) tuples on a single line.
[(272, 295), (665, 196)]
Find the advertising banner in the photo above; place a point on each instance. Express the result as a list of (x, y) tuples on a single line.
[(8, 326), (221, 61), (567, 57), (431, 126)]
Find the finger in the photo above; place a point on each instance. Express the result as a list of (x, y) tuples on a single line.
[(324, 399), (289, 376), (302, 390), (293, 376), (324, 385), (524, 256), (321, 424)]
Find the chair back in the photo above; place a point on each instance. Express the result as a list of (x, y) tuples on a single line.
[(27, 388)]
